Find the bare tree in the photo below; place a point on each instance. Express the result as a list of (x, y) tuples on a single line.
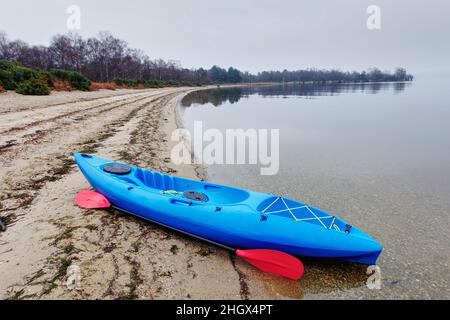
[(4, 41), (105, 58)]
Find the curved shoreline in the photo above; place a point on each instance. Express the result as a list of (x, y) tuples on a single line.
[(47, 233), (201, 172)]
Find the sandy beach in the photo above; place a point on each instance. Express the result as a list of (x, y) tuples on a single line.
[(119, 257)]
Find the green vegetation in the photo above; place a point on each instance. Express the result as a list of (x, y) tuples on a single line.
[(76, 80), (125, 82), (321, 75), (219, 75), (28, 81), (14, 76), (33, 87)]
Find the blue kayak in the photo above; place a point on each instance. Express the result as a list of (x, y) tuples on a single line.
[(228, 216)]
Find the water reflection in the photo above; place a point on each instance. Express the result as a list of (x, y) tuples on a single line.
[(320, 277), (360, 153), (214, 96), (232, 95)]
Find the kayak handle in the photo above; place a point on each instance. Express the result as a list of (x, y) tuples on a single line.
[(181, 202)]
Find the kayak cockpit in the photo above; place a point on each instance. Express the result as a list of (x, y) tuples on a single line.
[(215, 193)]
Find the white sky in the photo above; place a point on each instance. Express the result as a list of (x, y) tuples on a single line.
[(254, 35)]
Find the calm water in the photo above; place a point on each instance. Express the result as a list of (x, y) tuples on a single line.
[(377, 155)]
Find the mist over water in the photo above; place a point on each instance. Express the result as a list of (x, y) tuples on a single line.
[(375, 154)]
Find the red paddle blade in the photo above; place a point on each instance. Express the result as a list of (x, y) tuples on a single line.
[(89, 199), (275, 262)]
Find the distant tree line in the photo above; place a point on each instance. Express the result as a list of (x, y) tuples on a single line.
[(232, 95), (106, 58), (315, 75)]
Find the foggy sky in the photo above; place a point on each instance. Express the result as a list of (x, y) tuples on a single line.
[(254, 35)]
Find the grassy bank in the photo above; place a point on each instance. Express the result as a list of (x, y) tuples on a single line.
[(27, 81)]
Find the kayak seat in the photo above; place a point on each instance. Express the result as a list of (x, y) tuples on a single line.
[(155, 180), (217, 194)]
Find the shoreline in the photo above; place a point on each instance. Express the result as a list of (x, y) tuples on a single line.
[(200, 171), (47, 233)]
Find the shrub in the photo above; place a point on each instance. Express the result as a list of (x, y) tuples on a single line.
[(34, 87), (2, 89), (76, 80), (119, 81), (153, 84), (125, 82), (79, 81), (12, 74)]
